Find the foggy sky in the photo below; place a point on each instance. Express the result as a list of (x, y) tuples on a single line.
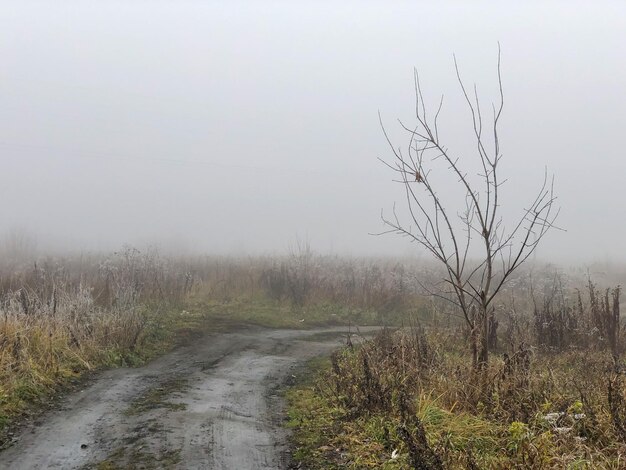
[(240, 127)]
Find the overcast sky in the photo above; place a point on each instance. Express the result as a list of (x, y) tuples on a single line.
[(240, 126)]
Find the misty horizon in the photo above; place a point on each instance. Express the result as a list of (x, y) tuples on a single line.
[(243, 128)]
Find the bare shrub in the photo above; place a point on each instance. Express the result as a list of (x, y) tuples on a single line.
[(557, 322), (453, 231), (582, 321), (604, 310), (617, 404)]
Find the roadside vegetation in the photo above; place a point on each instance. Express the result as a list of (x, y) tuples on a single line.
[(523, 375), (61, 317), (553, 395), (510, 368)]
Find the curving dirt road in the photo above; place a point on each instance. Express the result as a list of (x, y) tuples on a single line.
[(211, 405)]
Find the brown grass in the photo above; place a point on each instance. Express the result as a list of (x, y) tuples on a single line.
[(417, 393), (60, 317)]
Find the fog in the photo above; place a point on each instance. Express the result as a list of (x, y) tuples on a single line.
[(241, 127)]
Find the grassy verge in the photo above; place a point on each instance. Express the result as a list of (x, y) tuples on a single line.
[(43, 359), (392, 405), (328, 436)]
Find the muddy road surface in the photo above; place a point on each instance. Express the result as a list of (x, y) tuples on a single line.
[(215, 404)]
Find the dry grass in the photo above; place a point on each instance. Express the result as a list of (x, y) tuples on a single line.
[(60, 317), (412, 399)]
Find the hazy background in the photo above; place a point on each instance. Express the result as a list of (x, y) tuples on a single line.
[(239, 126)]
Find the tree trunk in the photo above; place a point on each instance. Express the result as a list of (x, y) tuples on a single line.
[(483, 356)]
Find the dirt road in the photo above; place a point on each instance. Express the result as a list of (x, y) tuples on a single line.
[(211, 405)]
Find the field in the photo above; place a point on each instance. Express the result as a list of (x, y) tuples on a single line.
[(553, 394), (64, 316)]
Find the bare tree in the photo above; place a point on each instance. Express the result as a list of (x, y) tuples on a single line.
[(455, 236)]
